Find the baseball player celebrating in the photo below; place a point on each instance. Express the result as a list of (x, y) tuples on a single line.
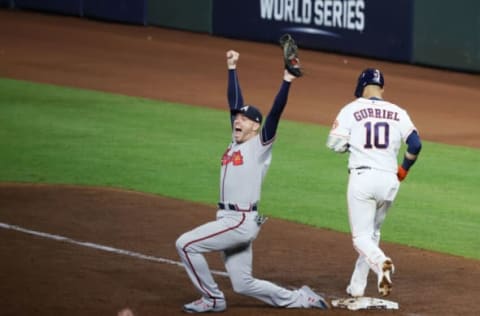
[(243, 167), (372, 130)]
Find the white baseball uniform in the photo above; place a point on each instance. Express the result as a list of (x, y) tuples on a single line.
[(372, 131)]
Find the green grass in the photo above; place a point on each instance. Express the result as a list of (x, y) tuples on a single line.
[(51, 134)]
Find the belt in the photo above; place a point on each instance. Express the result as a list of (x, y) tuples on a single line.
[(359, 168), (233, 207)]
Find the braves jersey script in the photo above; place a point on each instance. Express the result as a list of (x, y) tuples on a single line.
[(374, 130), (243, 169)]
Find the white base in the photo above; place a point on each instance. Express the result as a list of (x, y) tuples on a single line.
[(357, 303)]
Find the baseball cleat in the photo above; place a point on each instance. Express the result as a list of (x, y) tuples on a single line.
[(385, 280), (313, 299), (204, 305), (354, 293)]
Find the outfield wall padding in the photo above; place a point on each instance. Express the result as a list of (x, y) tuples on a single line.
[(126, 11), (447, 34), (68, 7), (190, 15)]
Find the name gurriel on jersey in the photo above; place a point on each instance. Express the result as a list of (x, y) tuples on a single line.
[(376, 113)]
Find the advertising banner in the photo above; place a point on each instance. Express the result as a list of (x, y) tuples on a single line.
[(374, 28)]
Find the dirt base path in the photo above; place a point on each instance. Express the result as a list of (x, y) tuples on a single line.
[(43, 273), (44, 276)]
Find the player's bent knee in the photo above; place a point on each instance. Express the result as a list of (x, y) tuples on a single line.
[(181, 243), (185, 244), (242, 285), (240, 289)]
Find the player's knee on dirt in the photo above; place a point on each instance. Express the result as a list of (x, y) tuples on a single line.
[(242, 284)]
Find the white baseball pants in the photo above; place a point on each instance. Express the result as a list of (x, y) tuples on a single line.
[(370, 194)]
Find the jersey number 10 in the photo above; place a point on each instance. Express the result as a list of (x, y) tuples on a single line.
[(377, 136)]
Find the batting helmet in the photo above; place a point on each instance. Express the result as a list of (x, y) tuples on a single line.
[(367, 77)]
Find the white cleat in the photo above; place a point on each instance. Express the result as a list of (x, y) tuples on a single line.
[(385, 279), (204, 305), (353, 292)]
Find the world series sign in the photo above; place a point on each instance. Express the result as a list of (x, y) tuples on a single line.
[(373, 28)]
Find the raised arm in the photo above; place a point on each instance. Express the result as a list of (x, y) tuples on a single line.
[(273, 118), (234, 93)]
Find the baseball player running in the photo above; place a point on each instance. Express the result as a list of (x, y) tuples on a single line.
[(371, 130), (243, 167)]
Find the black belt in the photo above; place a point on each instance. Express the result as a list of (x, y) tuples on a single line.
[(233, 207), (359, 168)]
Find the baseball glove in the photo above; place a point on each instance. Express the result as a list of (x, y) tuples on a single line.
[(290, 55)]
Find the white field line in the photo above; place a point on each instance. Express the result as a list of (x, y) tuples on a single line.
[(97, 246)]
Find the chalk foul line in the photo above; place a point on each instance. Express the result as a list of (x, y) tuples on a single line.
[(98, 246)]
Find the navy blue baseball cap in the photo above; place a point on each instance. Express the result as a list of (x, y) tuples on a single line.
[(367, 77), (249, 111)]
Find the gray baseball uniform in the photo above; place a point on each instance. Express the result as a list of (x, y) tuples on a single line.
[(243, 167)]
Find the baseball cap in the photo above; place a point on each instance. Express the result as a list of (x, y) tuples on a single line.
[(249, 111)]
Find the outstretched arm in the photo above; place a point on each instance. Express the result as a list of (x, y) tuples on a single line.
[(234, 93), (273, 118)]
